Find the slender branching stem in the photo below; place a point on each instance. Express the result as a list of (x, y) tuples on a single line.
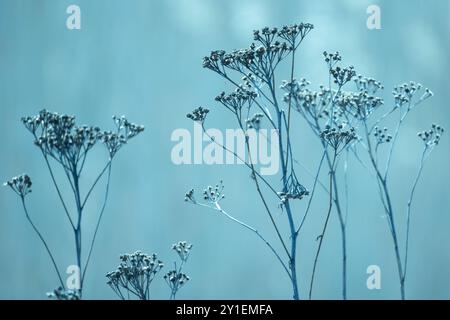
[(321, 236), (22, 198)]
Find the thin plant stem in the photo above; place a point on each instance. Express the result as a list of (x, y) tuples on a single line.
[(321, 236), (42, 240)]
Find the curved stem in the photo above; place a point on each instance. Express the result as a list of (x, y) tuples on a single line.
[(43, 241), (98, 222), (408, 219), (321, 236)]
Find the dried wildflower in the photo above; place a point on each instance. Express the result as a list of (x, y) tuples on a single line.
[(359, 105), (20, 185), (294, 34), (175, 280), (183, 249), (63, 294), (431, 137), (214, 194), (134, 274), (368, 85), (255, 121), (235, 101), (338, 137), (381, 135), (405, 93), (342, 75), (293, 190), (331, 59), (198, 115)]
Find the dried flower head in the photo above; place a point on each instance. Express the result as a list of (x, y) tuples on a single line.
[(338, 137), (331, 59), (294, 34), (64, 294), (183, 249), (381, 135), (175, 280), (293, 189), (255, 121), (342, 75), (235, 101), (431, 137), (214, 194), (199, 114), (21, 185), (404, 94), (134, 274), (368, 85), (358, 104)]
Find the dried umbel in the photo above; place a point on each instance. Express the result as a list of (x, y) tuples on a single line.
[(235, 101), (359, 105), (406, 94), (183, 249), (62, 294), (294, 190), (431, 137), (134, 275), (214, 194), (342, 75), (338, 137), (331, 59), (199, 114), (255, 121), (176, 280), (381, 135), (21, 185), (369, 85)]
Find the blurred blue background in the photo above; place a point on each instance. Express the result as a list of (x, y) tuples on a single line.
[(143, 59)]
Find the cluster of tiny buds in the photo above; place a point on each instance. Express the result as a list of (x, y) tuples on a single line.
[(237, 99), (255, 121), (381, 135), (332, 58), (176, 279), (338, 137), (294, 190), (369, 85), (62, 294), (214, 194), (342, 75), (20, 185), (183, 249), (404, 93), (291, 32), (199, 114), (431, 137)]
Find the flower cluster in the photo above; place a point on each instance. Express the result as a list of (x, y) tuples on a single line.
[(293, 32), (338, 137), (59, 137), (332, 59), (199, 114), (293, 190), (404, 93), (236, 100), (135, 273), (255, 121), (431, 137), (183, 249), (381, 135), (358, 104), (214, 194), (175, 280), (20, 185), (342, 75), (369, 85), (64, 294)]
